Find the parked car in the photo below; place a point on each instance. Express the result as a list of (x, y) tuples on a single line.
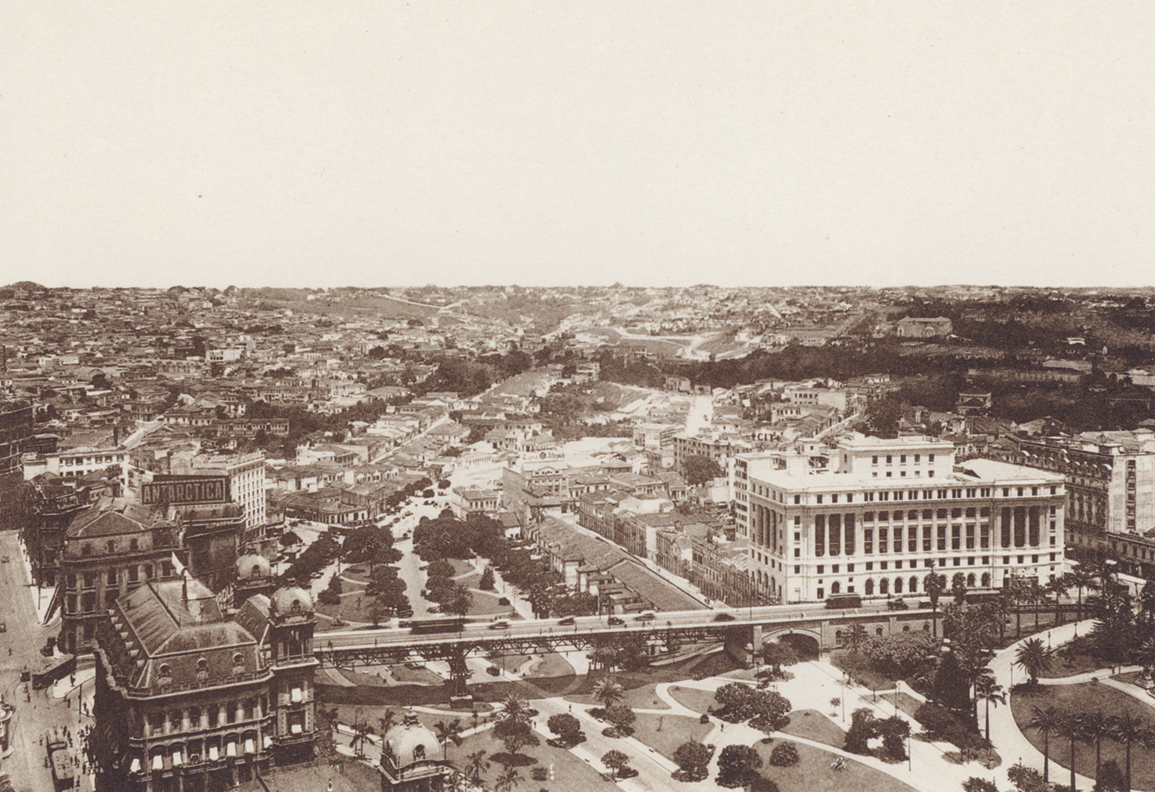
[(898, 603), (723, 617), (566, 621), (646, 616), (614, 621), (500, 624)]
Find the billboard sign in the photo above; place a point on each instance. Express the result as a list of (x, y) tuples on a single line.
[(183, 490)]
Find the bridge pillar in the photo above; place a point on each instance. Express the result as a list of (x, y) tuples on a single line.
[(458, 673), (756, 639)]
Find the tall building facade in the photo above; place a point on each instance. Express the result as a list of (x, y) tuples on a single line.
[(875, 516), (246, 481), (1110, 487), (189, 700), (15, 431)]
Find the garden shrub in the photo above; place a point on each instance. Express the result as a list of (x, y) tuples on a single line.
[(784, 755)]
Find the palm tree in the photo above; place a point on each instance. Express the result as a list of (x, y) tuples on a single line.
[(387, 722), (513, 708), (933, 584), (448, 732), (508, 780), (990, 691), (1033, 594), (1057, 588), (361, 732), (1095, 726), (1034, 658), (1015, 594), (1070, 729), (475, 766), (1080, 578), (856, 636), (1045, 720), (1129, 729), (608, 692)]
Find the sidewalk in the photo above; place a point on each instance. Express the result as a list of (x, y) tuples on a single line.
[(1005, 734)]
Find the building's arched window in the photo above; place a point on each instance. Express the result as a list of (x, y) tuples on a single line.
[(985, 580), (898, 585), (165, 670), (870, 587), (884, 586), (878, 631), (256, 570), (913, 587), (971, 580), (838, 637), (906, 628), (111, 547), (835, 587), (418, 752)]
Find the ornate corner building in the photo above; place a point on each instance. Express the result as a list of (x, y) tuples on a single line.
[(188, 700)]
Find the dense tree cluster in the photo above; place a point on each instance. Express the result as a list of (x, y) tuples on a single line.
[(692, 759), (764, 709), (737, 766), (864, 726)]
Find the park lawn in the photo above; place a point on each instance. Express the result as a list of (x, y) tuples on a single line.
[(693, 698), (551, 665), (814, 774), (906, 702), (461, 566), (570, 773), (675, 730), (860, 670), (485, 604), (1081, 663), (813, 725), (354, 607), (1083, 698), (640, 698)]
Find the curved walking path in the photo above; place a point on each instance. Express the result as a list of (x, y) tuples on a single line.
[(813, 686), (1005, 733)]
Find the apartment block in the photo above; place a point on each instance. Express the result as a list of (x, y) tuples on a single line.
[(1110, 480)]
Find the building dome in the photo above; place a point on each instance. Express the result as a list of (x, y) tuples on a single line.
[(253, 566), (289, 600), (409, 742)]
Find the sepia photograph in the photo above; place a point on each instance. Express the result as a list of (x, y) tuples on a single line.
[(545, 397)]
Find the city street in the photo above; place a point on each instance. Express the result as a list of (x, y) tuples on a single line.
[(37, 711)]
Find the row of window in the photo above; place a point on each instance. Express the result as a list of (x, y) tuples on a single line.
[(953, 493), (901, 459), (134, 573), (210, 717)]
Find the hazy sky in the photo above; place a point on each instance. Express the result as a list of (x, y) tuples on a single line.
[(298, 143)]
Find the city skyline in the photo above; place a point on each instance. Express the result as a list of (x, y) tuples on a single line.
[(551, 145)]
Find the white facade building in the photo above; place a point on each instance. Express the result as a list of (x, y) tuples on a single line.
[(876, 516)]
